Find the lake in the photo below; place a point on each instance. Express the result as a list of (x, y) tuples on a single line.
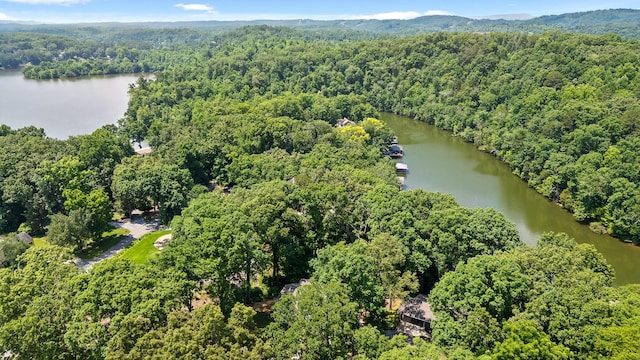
[(441, 162), (63, 107)]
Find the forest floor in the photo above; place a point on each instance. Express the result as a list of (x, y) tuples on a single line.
[(137, 226)]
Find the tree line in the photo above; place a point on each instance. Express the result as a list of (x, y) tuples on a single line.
[(623, 22)]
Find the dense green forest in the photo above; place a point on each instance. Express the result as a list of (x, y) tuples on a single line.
[(559, 109), (255, 111), (51, 56)]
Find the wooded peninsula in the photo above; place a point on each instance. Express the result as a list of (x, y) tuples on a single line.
[(261, 187)]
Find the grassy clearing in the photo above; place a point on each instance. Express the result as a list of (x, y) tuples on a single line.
[(142, 249), (40, 242), (109, 239)]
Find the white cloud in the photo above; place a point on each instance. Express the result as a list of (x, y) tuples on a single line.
[(49, 2), (437, 12), (5, 17), (196, 7), (401, 15), (391, 15)]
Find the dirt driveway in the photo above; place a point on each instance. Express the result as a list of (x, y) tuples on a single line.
[(137, 227)]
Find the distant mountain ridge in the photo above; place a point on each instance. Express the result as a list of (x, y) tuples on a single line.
[(597, 17), (506, 17), (624, 22)]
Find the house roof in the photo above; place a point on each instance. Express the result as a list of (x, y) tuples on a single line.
[(417, 308), (343, 122), (144, 151), (291, 288)]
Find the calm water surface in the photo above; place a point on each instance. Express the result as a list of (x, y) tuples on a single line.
[(63, 107), (440, 162)]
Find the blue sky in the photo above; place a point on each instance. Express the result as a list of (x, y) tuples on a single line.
[(184, 10)]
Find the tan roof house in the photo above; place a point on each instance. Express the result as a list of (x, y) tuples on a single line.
[(415, 317)]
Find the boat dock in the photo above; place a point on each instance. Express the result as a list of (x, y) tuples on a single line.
[(402, 168)]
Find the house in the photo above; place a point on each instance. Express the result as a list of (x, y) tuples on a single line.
[(402, 168), (293, 287), (415, 317), (144, 151), (344, 122)]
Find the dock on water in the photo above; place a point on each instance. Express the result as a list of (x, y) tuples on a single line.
[(402, 168)]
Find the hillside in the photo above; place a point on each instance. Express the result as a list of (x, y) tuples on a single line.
[(623, 22)]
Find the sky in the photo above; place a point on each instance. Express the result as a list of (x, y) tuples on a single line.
[(73, 11)]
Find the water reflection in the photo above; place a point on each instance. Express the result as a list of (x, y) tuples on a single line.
[(63, 107)]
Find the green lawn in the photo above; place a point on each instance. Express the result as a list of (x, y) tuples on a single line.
[(40, 242), (109, 238), (142, 249)]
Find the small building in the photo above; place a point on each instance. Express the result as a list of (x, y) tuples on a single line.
[(344, 122), (396, 151), (415, 317), (395, 148), (402, 168), (144, 151), (293, 287), (401, 180)]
